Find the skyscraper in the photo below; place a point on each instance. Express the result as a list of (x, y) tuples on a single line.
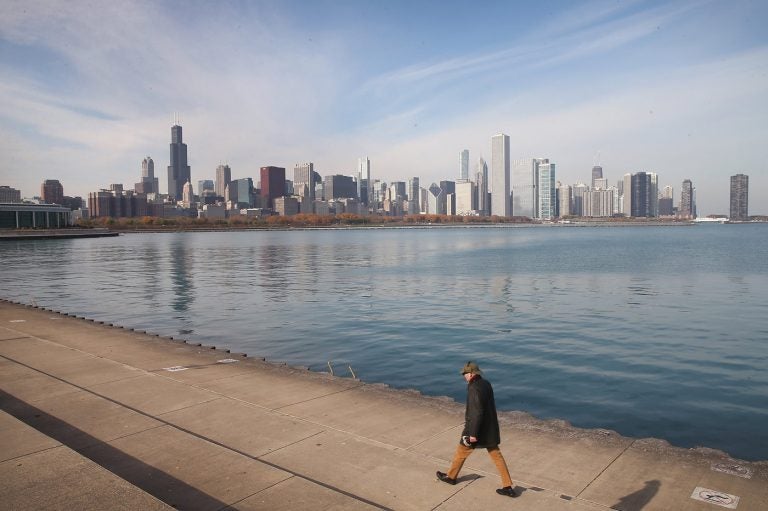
[(641, 194), (178, 171), (464, 165), (525, 178), (500, 203), (482, 187), (547, 190), (447, 204), (739, 197), (466, 198), (414, 196), (666, 201), (149, 183), (272, 185), (365, 190), (223, 178), (626, 195), (597, 173), (8, 194), (577, 196), (148, 167), (52, 192), (304, 184), (188, 195), (239, 193), (340, 187), (565, 201), (435, 196), (687, 208)]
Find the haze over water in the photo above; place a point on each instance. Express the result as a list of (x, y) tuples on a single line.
[(650, 331)]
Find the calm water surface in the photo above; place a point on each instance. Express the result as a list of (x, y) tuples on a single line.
[(650, 331)]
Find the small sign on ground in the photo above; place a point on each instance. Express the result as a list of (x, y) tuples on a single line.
[(733, 468), (174, 369), (715, 497), (226, 361), (18, 321)]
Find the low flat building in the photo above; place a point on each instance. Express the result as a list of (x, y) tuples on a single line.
[(34, 216)]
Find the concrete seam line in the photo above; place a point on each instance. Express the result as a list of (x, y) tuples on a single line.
[(459, 490), (316, 398), (433, 436), (15, 338), (214, 398), (209, 440), (604, 469), (290, 444), (59, 446), (232, 504)]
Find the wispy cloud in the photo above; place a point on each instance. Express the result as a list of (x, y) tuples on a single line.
[(574, 34)]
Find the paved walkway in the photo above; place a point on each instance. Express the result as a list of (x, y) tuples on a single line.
[(98, 417)]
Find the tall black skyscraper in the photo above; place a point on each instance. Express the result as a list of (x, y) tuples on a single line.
[(597, 173), (641, 195), (687, 207), (178, 171), (739, 197)]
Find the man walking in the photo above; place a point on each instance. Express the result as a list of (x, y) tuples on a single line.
[(481, 429)]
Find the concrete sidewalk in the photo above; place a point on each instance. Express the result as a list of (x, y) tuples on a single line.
[(98, 417)]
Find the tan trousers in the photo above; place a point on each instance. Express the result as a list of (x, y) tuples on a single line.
[(463, 452)]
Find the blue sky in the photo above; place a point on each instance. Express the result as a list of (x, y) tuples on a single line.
[(679, 88)]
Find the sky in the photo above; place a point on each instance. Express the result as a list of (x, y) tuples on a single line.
[(680, 88)]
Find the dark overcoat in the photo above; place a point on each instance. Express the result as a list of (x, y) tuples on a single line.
[(480, 420)]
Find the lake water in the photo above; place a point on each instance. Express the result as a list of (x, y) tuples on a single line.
[(650, 331)]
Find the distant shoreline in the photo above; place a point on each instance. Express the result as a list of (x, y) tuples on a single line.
[(116, 229)]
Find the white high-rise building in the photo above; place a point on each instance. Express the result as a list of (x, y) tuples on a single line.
[(547, 190), (188, 195), (466, 198), (464, 165), (434, 198), (423, 201), (599, 202), (565, 198), (500, 203), (304, 185), (223, 178), (365, 187), (627, 195), (481, 182), (525, 180)]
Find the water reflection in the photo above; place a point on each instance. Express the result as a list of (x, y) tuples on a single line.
[(149, 264), (182, 267), (273, 267)]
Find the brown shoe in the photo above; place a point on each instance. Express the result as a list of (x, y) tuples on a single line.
[(444, 478)]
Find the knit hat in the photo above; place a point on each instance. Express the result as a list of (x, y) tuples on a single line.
[(471, 368)]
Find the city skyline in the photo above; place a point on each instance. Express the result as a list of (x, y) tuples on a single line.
[(631, 87)]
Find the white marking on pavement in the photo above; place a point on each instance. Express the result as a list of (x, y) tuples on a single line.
[(226, 361), (733, 468), (174, 369), (715, 497), (18, 321)]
